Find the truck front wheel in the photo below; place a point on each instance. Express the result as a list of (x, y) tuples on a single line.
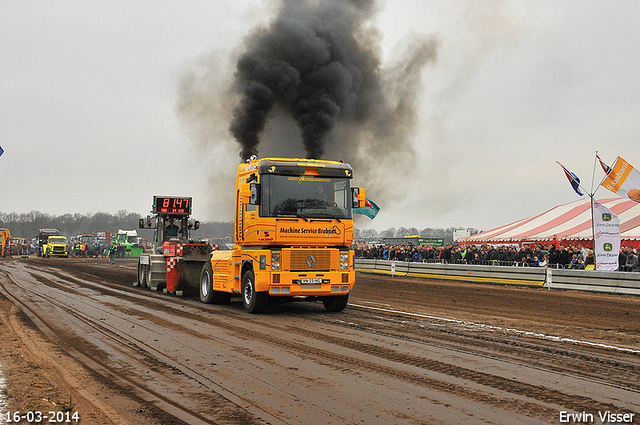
[(335, 302), (254, 302)]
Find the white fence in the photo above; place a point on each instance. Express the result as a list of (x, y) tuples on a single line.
[(581, 280)]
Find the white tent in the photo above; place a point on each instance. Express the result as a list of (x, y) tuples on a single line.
[(570, 221)]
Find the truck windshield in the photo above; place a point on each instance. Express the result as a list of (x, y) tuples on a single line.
[(57, 240), (305, 196)]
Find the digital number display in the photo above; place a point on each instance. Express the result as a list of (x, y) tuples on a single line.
[(172, 205)]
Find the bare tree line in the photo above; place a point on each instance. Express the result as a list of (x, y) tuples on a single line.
[(27, 224), (392, 232)]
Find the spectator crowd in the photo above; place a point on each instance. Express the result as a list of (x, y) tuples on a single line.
[(555, 255)]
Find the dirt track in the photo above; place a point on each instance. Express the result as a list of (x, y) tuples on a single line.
[(405, 351)]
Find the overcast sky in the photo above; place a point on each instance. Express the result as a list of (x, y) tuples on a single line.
[(89, 96)]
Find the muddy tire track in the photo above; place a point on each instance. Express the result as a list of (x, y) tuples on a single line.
[(216, 364)]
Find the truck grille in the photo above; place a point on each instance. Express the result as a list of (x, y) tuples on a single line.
[(58, 249), (310, 260)]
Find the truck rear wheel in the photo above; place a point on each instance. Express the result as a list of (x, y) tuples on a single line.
[(254, 302), (336, 302), (207, 294)]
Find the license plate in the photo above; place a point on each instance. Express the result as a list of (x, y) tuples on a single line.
[(307, 281)]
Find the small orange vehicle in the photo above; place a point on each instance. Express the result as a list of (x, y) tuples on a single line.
[(5, 235)]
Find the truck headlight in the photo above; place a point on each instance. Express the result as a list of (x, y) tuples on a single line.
[(275, 261), (344, 266), (344, 258)]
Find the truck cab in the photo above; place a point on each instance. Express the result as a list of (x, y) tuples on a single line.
[(56, 246), (127, 241), (173, 228)]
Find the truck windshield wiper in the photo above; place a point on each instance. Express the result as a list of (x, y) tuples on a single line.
[(332, 216), (301, 216)]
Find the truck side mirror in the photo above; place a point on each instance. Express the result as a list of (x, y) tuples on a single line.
[(196, 225), (358, 197), (255, 194), (245, 193), (142, 223), (362, 201)]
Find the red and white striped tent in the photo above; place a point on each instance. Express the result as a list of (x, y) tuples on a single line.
[(570, 222)]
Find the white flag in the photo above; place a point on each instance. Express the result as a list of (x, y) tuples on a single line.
[(606, 228)]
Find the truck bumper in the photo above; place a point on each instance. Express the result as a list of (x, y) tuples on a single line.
[(306, 284)]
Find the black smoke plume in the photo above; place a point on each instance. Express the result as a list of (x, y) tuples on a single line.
[(316, 60), (314, 75)]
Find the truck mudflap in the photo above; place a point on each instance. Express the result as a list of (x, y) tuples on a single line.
[(174, 272), (226, 272)]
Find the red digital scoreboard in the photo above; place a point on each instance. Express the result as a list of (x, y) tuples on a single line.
[(171, 205)]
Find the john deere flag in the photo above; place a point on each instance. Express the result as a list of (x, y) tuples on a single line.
[(606, 228), (370, 209), (623, 180)]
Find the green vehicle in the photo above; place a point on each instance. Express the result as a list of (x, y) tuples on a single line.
[(127, 241), (56, 246)]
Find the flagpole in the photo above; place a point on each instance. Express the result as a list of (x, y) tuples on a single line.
[(593, 220), (593, 233), (575, 184), (606, 175), (593, 175)]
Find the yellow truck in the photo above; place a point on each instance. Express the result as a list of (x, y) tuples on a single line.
[(293, 228), (55, 246)]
